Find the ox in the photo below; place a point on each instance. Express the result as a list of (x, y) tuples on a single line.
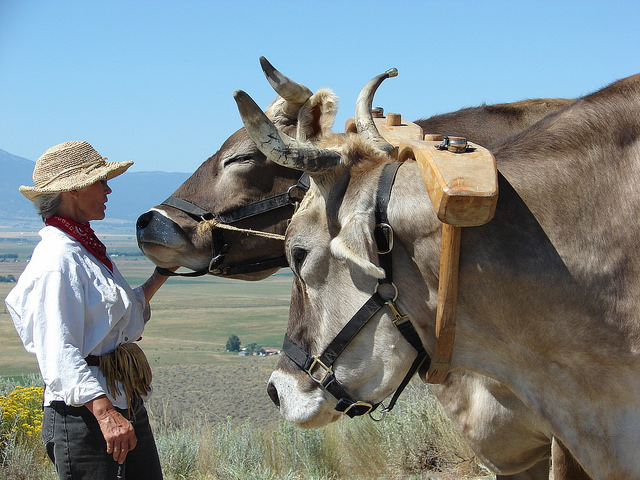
[(549, 290), (239, 175)]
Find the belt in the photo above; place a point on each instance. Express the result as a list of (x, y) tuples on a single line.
[(62, 408)]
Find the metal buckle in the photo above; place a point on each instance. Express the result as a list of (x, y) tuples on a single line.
[(359, 403), (385, 227), (383, 413), (399, 318), (328, 370), (390, 296), (214, 264), (295, 193)]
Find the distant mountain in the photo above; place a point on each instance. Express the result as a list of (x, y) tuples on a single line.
[(16, 171), (133, 193)]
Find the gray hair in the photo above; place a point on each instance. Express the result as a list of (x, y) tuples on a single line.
[(47, 204)]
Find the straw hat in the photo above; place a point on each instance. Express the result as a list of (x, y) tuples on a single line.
[(70, 166)]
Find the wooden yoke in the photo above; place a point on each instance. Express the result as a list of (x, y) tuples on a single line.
[(463, 188), (392, 127), (462, 182)]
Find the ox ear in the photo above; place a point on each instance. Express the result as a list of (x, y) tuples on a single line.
[(317, 115), (354, 244)]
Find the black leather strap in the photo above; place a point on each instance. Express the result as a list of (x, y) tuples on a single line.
[(245, 211), (383, 233), (219, 247), (345, 402), (351, 329), (187, 207), (385, 185), (229, 270)]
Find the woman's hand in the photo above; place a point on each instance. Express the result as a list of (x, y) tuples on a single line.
[(155, 281), (117, 430)]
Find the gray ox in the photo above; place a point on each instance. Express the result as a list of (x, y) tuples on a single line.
[(240, 174), (549, 290)]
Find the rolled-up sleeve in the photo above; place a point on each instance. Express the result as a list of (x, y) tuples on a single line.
[(145, 308)]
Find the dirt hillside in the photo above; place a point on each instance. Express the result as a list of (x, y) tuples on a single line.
[(214, 392)]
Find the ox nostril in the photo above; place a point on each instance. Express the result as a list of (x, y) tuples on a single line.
[(273, 394), (143, 221)]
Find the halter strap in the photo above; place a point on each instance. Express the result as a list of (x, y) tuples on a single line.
[(383, 232), (314, 365), (219, 247)]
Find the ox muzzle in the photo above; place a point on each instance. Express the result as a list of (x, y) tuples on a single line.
[(219, 245)]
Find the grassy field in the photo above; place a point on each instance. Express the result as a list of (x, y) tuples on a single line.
[(192, 318)]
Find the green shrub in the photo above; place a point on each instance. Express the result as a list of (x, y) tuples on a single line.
[(179, 451)]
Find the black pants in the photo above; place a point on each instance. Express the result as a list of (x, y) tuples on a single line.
[(74, 443)]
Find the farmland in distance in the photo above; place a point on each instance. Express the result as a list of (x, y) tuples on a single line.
[(185, 340)]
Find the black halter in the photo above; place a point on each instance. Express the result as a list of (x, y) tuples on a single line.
[(219, 247), (320, 368)]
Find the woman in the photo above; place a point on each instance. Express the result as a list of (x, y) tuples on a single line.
[(73, 309)]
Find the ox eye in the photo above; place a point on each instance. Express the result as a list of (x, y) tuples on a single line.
[(237, 159), (298, 256)]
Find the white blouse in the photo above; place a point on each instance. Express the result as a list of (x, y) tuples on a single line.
[(68, 305)]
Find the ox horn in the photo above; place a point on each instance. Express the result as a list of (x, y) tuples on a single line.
[(279, 147), (364, 118), (295, 94)]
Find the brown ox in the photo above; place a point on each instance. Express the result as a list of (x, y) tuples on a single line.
[(239, 174), (549, 290)]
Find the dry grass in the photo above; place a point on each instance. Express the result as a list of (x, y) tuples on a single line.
[(415, 442)]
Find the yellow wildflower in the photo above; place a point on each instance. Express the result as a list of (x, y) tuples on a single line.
[(21, 413)]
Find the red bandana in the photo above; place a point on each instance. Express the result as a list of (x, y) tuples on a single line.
[(84, 234)]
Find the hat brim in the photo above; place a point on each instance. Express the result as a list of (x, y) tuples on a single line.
[(106, 172)]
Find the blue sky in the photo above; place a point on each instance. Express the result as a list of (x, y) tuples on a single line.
[(152, 81)]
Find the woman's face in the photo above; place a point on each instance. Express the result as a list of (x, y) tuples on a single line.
[(90, 201)]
